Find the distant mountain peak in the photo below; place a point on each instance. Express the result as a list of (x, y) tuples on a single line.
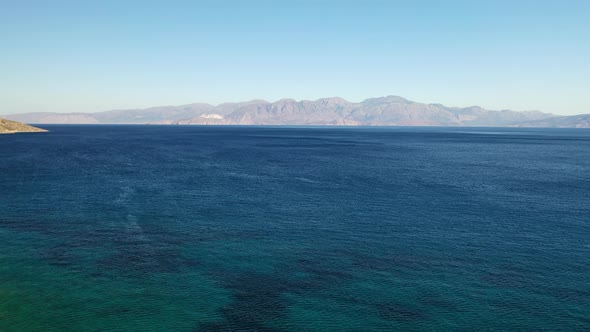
[(285, 101), (386, 99), (332, 101), (394, 98)]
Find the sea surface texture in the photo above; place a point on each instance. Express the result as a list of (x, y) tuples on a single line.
[(171, 228)]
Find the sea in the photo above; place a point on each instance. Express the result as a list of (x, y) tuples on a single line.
[(206, 228)]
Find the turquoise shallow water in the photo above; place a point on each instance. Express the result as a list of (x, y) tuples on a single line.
[(167, 228)]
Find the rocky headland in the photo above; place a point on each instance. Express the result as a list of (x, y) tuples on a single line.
[(11, 127)]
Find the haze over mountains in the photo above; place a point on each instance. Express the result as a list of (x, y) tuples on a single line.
[(384, 111), (573, 121)]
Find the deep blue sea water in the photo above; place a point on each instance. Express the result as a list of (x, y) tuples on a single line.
[(171, 228)]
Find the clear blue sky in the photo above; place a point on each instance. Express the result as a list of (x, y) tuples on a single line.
[(98, 55)]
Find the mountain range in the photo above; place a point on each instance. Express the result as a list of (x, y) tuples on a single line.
[(383, 111)]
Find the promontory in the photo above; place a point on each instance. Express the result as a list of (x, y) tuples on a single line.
[(11, 127)]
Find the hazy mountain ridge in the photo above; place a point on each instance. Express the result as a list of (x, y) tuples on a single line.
[(572, 121), (383, 111), (54, 118)]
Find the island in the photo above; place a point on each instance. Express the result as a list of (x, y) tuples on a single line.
[(11, 127)]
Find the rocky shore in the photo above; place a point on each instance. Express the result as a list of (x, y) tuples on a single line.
[(11, 127)]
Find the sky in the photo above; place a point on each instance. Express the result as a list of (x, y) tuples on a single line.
[(89, 56)]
